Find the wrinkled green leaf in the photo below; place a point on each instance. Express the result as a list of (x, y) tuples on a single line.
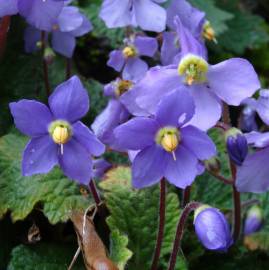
[(19, 194), (119, 253), (43, 257)]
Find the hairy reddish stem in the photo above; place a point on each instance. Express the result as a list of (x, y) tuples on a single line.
[(159, 241), (4, 26), (45, 64), (180, 231), (186, 196), (95, 193)]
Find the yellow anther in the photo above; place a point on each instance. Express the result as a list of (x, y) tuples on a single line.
[(129, 52), (60, 135), (123, 86), (194, 68), (209, 32), (169, 142)]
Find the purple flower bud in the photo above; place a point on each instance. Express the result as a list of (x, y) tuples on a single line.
[(254, 220), (237, 146), (212, 228)]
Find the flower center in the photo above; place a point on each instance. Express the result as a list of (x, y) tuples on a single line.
[(209, 32), (60, 132), (123, 86), (169, 139), (193, 68), (129, 51)]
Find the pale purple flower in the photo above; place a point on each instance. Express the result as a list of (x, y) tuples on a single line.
[(57, 135), (230, 81), (254, 220), (168, 147), (128, 59), (39, 13), (147, 14), (69, 24), (212, 229), (252, 176)]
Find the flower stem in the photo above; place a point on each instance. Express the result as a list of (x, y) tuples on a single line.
[(45, 64), (186, 196), (4, 26), (222, 178), (68, 68), (180, 230), (226, 114), (95, 193), (159, 241)]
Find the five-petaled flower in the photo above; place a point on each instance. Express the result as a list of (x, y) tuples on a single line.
[(168, 147), (57, 135)]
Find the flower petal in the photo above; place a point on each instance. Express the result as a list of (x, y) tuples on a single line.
[(233, 80), (70, 100), (113, 115), (31, 37), (257, 139), (198, 142), (146, 45), (170, 48), (76, 162), (63, 43), (135, 69), (116, 60), (41, 14), (116, 13), (262, 105), (85, 27), (9, 7), (137, 133), (253, 175), (40, 156), (31, 117), (87, 139), (175, 108), (157, 82), (148, 167), (208, 107), (149, 16), (182, 171), (69, 19)]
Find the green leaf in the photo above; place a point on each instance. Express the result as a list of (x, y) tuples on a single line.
[(135, 214), (20, 194), (217, 17), (119, 253), (43, 257)]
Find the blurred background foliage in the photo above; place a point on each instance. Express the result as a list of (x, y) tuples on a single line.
[(242, 28)]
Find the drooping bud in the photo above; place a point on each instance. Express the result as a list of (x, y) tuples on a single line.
[(254, 220), (129, 51), (213, 165), (237, 146), (169, 139), (123, 86), (193, 68), (60, 132), (209, 32), (49, 55), (212, 228)]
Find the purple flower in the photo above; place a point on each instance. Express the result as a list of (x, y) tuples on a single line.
[(237, 146), (247, 121), (212, 229), (69, 24), (252, 176), (128, 58), (254, 220), (168, 148), (57, 135), (100, 166), (230, 81), (39, 13), (144, 13), (193, 19)]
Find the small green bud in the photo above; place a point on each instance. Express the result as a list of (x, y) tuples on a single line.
[(213, 165)]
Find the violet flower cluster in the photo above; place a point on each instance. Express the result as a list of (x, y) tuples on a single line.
[(158, 114)]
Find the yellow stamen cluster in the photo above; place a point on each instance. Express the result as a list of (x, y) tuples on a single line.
[(193, 68), (60, 132), (209, 32), (129, 51), (123, 86), (169, 139)]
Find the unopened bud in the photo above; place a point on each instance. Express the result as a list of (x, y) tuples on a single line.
[(254, 220)]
